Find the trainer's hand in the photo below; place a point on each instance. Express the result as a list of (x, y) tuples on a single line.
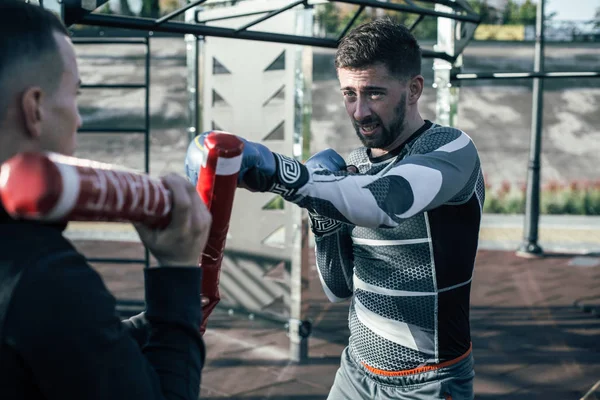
[(183, 241)]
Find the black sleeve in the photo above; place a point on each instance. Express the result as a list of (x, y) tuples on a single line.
[(66, 329), (138, 327)]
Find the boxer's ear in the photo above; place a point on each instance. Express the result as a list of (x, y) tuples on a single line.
[(31, 108), (415, 89)]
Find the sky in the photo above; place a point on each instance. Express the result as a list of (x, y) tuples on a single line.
[(572, 9)]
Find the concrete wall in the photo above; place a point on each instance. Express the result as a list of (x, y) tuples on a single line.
[(497, 114)]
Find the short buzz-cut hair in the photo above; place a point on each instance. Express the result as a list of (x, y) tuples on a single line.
[(381, 41), (29, 53)]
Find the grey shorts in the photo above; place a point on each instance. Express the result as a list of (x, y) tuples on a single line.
[(354, 382)]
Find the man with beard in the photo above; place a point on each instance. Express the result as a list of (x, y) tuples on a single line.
[(398, 234)]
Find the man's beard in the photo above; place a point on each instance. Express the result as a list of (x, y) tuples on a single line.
[(388, 133)]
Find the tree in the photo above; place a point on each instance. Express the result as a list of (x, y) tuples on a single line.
[(486, 13), (150, 8), (527, 13), (510, 13)]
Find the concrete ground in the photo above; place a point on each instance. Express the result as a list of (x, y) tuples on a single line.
[(535, 331)]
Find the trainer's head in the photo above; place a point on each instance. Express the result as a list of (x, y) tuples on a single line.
[(39, 81), (379, 69)]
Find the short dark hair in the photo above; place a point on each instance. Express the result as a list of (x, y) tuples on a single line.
[(27, 41), (381, 41)]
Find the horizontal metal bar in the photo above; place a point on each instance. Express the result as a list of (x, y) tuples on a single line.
[(112, 130), (521, 75), (414, 10), (116, 260), (270, 15), (448, 3), (179, 11), (115, 86), (205, 30), (108, 41), (249, 14)]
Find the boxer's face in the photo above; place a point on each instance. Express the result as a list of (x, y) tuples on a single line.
[(376, 103), (60, 115)]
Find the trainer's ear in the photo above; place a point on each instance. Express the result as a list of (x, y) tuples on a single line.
[(31, 107), (415, 89)]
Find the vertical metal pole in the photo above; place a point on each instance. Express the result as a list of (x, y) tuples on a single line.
[(300, 327), (446, 94), (147, 128), (192, 44), (530, 247)]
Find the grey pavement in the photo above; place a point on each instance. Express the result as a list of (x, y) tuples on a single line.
[(532, 338)]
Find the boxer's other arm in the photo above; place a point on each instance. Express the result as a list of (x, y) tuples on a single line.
[(334, 259), (442, 168)]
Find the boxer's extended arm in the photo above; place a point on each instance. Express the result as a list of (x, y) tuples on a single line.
[(63, 325), (441, 168)]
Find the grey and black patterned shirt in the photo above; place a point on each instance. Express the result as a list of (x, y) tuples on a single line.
[(400, 238)]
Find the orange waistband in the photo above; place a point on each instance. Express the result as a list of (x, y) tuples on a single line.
[(419, 370)]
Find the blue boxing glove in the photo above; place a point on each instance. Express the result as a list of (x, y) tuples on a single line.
[(261, 170), (331, 161), (265, 171)]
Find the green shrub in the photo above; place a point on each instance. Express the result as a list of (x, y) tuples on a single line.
[(574, 198)]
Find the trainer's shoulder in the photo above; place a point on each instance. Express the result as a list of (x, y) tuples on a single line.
[(440, 137)]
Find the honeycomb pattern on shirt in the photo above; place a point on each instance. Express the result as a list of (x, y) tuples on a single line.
[(378, 352), (409, 309), (332, 268), (434, 139), (410, 228), (401, 267), (480, 188)]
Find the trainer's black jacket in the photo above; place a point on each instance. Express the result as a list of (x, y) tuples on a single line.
[(60, 335)]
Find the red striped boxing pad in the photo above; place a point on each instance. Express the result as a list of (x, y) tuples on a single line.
[(53, 187), (217, 182)]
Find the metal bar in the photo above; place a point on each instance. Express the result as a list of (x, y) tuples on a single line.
[(111, 130), (147, 109), (352, 21), (147, 133), (529, 247), (448, 3), (107, 41), (522, 75), (116, 260), (179, 11), (414, 10), (205, 30), (197, 87), (115, 86), (269, 15), (203, 21), (414, 24)]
